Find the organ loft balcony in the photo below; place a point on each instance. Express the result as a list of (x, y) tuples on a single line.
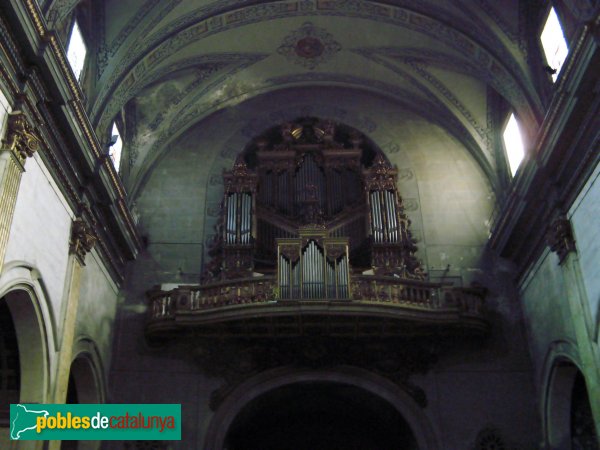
[(313, 240)]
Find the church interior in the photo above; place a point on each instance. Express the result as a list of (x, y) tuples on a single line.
[(315, 224)]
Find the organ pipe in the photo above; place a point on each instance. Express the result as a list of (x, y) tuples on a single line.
[(384, 217), (239, 220), (313, 275)]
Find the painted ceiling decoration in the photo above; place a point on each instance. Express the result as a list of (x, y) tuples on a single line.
[(309, 46), (201, 24), (166, 66)]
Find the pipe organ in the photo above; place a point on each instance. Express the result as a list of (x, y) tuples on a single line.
[(313, 267), (309, 204)]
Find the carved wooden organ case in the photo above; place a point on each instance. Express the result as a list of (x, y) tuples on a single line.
[(310, 204)]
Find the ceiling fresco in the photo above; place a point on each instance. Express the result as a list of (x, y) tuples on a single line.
[(438, 59)]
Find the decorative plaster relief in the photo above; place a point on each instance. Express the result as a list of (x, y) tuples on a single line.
[(309, 46)]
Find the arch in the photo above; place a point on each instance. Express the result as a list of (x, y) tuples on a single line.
[(32, 345), (561, 366), (22, 286), (425, 434), (430, 110), (87, 371)]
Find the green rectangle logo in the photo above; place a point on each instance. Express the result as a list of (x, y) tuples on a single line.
[(81, 422)]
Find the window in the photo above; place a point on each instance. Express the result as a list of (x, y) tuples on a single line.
[(116, 146), (554, 43), (76, 50), (513, 143)]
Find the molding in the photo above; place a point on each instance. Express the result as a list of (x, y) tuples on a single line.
[(82, 240), (454, 31), (561, 161), (71, 150)]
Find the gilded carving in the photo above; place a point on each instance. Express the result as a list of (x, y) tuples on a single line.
[(83, 239), (560, 237), (21, 138), (395, 359), (240, 178), (381, 176)]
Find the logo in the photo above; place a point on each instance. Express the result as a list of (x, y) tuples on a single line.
[(95, 422)]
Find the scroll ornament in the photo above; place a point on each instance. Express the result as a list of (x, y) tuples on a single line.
[(21, 139), (83, 238)]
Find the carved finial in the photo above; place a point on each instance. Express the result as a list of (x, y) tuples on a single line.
[(381, 175), (82, 240), (20, 136), (560, 237), (240, 178)]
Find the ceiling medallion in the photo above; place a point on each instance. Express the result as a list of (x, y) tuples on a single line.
[(309, 46)]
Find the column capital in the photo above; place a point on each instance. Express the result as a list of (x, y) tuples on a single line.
[(21, 138), (83, 238), (560, 237)]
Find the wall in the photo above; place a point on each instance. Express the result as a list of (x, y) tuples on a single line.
[(473, 386), (584, 215)]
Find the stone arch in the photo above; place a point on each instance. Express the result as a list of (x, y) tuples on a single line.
[(561, 367), (21, 287), (86, 384), (87, 372), (426, 436)]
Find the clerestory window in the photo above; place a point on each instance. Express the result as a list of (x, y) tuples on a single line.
[(76, 50), (554, 44), (513, 144), (116, 146)]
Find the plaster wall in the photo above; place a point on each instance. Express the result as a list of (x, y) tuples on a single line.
[(584, 215), (97, 308), (39, 236), (473, 386), (544, 299)]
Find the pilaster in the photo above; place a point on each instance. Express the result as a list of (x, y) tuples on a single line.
[(20, 143), (560, 240)]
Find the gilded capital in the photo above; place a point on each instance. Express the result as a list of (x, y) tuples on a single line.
[(82, 240), (21, 138), (560, 237)]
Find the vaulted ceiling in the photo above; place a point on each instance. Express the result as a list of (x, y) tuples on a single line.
[(171, 63), (429, 82)]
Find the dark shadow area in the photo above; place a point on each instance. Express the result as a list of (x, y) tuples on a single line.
[(319, 416)]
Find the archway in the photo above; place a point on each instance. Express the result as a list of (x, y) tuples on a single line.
[(31, 344), (10, 370), (319, 415), (372, 390), (23, 357), (569, 419), (85, 386)]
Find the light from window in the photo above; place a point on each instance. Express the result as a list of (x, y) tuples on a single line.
[(554, 43), (76, 50), (513, 144), (115, 150)]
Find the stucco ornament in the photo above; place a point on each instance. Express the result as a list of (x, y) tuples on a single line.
[(309, 46)]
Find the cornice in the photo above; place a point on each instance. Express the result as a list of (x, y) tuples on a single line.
[(71, 149), (562, 158)]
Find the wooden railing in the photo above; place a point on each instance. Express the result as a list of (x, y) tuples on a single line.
[(385, 289), (242, 291), (365, 289)]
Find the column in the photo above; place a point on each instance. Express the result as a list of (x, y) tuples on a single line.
[(82, 241), (20, 143), (560, 240)]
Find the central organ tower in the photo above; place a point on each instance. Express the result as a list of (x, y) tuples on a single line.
[(310, 203)]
